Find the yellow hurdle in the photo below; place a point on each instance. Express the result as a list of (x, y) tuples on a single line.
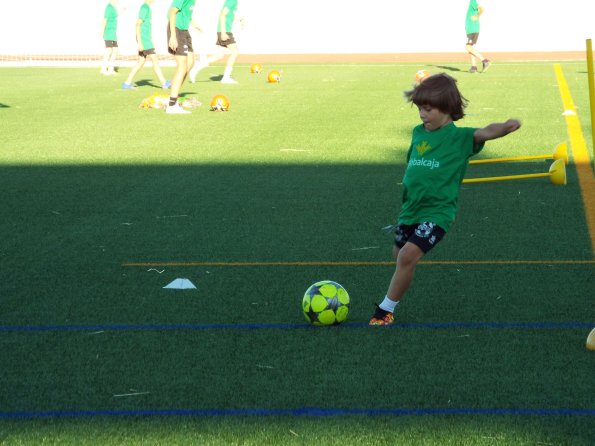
[(556, 173), (591, 340), (560, 152)]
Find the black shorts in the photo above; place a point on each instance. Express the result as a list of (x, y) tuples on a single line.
[(425, 235), (184, 42), (145, 53), (472, 38), (111, 43), (230, 40)]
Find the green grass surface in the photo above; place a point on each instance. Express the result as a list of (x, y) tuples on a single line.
[(308, 171), (469, 430)]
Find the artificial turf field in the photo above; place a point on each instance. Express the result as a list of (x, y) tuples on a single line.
[(103, 204)]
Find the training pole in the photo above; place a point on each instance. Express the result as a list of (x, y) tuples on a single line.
[(561, 152), (506, 177), (591, 91), (510, 158), (557, 174)]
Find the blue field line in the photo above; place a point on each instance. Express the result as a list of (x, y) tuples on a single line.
[(316, 412), (255, 327)]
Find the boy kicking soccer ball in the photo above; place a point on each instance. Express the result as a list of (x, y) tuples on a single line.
[(436, 164)]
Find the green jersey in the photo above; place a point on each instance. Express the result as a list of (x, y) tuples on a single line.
[(146, 32), (184, 15), (436, 165), (111, 25), (472, 26), (231, 6)]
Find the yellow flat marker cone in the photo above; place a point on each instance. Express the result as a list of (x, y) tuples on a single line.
[(560, 152), (557, 174), (591, 340)]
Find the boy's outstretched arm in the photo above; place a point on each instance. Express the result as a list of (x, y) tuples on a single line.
[(496, 130)]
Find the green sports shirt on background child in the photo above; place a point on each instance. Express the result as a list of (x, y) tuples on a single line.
[(145, 16), (437, 160)]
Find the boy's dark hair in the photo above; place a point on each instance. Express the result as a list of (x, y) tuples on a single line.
[(439, 91)]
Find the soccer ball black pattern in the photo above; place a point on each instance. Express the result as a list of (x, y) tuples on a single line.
[(326, 303)]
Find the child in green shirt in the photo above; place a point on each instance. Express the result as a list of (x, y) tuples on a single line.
[(144, 41), (474, 11), (226, 43), (179, 44), (436, 164), (108, 33)]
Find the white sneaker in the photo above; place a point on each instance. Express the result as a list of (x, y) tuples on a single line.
[(194, 71), (176, 110), (228, 80)]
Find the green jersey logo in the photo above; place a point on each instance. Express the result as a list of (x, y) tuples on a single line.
[(423, 147)]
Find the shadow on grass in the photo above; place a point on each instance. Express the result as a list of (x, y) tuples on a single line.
[(257, 204), (147, 83), (69, 228), (67, 224), (447, 68)]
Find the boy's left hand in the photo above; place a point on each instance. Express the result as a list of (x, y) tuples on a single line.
[(512, 125)]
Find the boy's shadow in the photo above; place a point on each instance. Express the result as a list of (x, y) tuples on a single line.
[(4, 105), (147, 83), (216, 78), (443, 67)]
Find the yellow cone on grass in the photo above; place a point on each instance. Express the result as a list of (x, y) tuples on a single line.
[(591, 340)]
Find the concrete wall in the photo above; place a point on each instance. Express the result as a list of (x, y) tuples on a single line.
[(309, 26)]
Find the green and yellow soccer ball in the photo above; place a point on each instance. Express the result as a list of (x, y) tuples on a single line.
[(326, 303)]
